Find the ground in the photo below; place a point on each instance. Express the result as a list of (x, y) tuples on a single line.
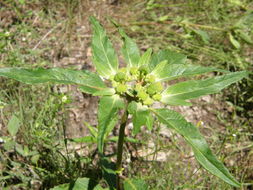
[(58, 34)]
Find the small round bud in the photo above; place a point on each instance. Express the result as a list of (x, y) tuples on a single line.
[(157, 97), (120, 76), (150, 78), (142, 95), (138, 87), (143, 69), (133, 70), (154, 88), (121, 88), (148, 101)]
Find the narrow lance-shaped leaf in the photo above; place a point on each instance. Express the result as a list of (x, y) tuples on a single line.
[(193, 137), (164, 71), (107, 116), (178, 93), (87, 81), (170, 56), (129, 50), (103, 54), (141, 116), (145, 58)]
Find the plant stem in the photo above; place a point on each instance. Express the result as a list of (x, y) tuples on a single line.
[(120, 148)]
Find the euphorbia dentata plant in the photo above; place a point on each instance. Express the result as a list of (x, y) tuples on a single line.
[(134, 88)]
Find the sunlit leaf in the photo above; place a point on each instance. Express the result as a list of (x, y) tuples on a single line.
[(86, 139), (145, 58), (79, 184), (193, 137), (178, 93), (87, 81), (164, 71), (170, 56), (107, 116), (129, 50), (103, 54), (135, 184), (141, 117), (234, 42)]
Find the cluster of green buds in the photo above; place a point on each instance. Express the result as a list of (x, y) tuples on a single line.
[(137, 83)]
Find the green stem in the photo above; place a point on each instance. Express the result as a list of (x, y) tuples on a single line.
[(120, 147)]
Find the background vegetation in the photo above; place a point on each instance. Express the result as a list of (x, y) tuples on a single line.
[(37, 123)]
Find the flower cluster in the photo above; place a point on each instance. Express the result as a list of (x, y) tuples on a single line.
[(137, 83)]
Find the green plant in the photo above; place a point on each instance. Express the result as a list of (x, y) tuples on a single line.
[(134, 89)]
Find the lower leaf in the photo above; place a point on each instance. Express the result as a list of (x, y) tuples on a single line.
[(200, 147)]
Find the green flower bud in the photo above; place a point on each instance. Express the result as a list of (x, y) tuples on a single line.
[(123, 70), (150, 78), (143, 69), (121, 88), (157, 97), (138, 87), (142, 95), (120, 76), (154, 88), (148, 101), (134, 71)]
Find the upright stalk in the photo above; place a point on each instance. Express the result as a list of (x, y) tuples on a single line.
[(120, 148)]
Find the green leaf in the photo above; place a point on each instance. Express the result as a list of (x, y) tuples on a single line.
[(164, 71), (141, 116), (170, 56), (13, 125), (129, 50), (88, 82), (145, 58), (86, 139), (104, 92), (107, 116), (244, 36), (126, 139), (203, 35), (103, 54), (135, 184), (178, 93), (92, 130), (193, 137), (79, 184), (233, 41)]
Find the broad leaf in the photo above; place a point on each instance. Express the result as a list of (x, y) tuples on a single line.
[(178, 93), (129, 50), (103, 54), (107, 116), (193, 137), (135, 184), (13, 125), (79, 184), (141, 117), (170, 56), (164, 71), (145, 58), (88, 82)]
